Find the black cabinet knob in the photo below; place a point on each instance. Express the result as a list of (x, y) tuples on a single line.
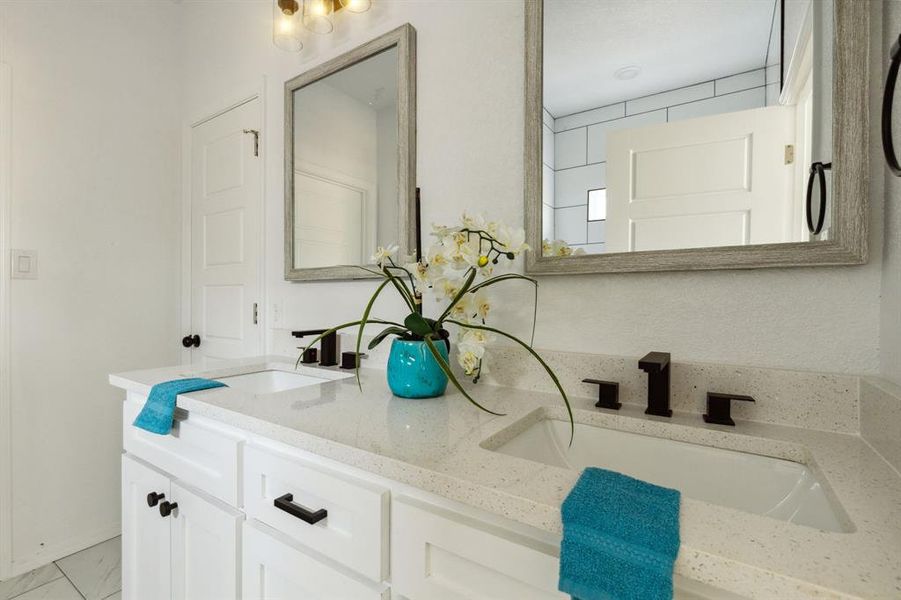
[(153, 498), (167, 507), (191, 340)]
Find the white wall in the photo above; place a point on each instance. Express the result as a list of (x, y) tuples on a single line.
[(470, 112), (95, 171)]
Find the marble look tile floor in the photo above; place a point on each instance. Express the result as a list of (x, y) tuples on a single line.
[(91, 574)]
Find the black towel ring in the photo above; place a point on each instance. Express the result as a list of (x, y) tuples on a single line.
[(888, 97), (818, 170)]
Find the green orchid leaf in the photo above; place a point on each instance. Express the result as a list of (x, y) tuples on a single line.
[(401, 288), (499, 278), (378, 339), (550, 372), (508, 277), (467, 283), (363, 321), (447, 371), (418, 325)]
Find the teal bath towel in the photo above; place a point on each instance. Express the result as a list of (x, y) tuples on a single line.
[(620, 538), (158, 411)]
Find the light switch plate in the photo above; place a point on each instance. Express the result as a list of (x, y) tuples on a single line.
[(24, 264)]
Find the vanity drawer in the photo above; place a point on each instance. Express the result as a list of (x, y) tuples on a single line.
[(195, 450), (354, 531), (275, 568), (437, 554)]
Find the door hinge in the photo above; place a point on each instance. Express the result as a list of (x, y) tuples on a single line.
[(256, 313), (256, 140), (789, 154)]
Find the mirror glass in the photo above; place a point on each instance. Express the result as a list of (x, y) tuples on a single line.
[(689, 124), (345, 184)]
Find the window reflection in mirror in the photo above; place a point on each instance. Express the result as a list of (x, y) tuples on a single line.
[(686, 124), (345, 164)]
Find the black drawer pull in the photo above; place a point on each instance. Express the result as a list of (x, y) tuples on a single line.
[(818, 171), (286, 503), (888, 146)]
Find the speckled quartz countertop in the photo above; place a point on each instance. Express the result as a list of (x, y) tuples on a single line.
[(441, 446)]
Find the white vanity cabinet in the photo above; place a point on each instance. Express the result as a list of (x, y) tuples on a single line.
[(257, 519), (190, 551)]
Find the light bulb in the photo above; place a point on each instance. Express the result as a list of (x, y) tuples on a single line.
[(286, 25), (357, 6), (318, 8)]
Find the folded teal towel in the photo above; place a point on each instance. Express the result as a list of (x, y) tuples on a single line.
[(156, 416), (620, 538)]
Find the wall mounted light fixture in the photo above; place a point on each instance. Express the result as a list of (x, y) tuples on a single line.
[(286, 25), (313, 15)]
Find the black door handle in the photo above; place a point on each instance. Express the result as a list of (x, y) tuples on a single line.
[(191, 340), (153, 498), (888, 98), (167, 507), (286, 503), (817, 170)]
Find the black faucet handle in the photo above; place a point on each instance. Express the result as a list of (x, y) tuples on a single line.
[(608, 393), (654, 361), (306, 332), (719, 407)]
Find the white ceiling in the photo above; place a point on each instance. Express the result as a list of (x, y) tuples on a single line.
[(372, 81), (675, 42)]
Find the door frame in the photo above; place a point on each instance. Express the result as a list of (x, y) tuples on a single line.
[(238, 97)]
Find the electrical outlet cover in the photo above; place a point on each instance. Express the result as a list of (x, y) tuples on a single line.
[(24, 264)]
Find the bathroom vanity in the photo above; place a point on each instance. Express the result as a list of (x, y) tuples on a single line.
[(297, 484)]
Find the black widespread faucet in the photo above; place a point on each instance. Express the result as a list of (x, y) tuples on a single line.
[(328, 356), (656, 365)]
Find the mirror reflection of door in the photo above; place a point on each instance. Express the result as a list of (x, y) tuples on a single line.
[(684, 124), (345, 164)]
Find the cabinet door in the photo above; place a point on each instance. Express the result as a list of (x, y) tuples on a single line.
[(440, 555), (277, 568), (205, 546), (145, 534)]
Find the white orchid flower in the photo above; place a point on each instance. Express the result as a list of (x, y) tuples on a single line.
[(382, 254)]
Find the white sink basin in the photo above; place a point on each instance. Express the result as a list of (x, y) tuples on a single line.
[(269, 381), (778, 488)]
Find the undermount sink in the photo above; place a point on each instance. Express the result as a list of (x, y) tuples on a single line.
[(269, 381), (774, 487)]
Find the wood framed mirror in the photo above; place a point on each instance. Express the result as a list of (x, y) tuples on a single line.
[(695, 135), (350, 159)]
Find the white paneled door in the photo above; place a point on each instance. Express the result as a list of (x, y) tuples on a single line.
[(226, 235), (712, 181)]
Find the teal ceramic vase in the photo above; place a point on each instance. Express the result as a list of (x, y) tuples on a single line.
[(412, 370)]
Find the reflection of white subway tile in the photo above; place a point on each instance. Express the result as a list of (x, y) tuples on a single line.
[(570, 224), (569, 149), (597, 134), (746, 100), (547, 222), (547, 119), (547, 186), (774, 73), (590, 117), (679, 96), (571, 185), (596, 232), (547, 146), (772, 94), (742, 81)]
